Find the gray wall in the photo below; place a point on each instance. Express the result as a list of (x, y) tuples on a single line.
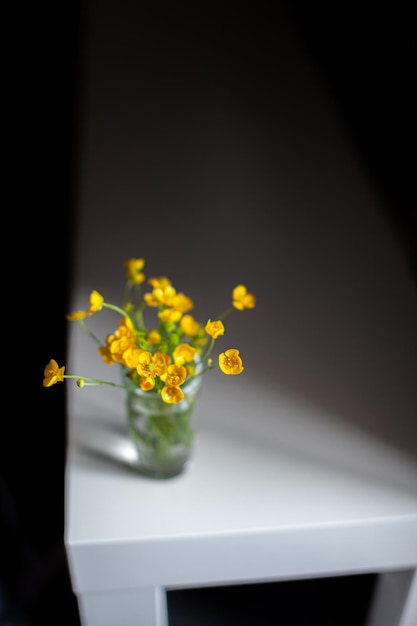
[(210, 147)]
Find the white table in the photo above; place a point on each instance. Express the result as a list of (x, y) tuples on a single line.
[(251, 507)]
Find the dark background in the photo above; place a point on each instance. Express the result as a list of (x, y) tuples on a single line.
[(366, 56)]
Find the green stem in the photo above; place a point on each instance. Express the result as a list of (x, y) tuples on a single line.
[(203, 371), (226, 313), (122, 312), (96, 381), (89, 332), (209, 349), (140, 322), (126, 292)]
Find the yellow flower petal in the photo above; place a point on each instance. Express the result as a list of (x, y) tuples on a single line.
[(214, 329), (189, 326), (242, 299), (184, 353), (230, 362), (146, 383), (53, 373), (133, 270), (96, 302), (172, 394), (174, 375), (76, 315)]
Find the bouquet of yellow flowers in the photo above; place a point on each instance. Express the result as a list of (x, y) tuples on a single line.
[(162, 359)]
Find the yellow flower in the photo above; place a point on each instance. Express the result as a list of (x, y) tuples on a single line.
[(104, 351), (169, 315), (151, 299), (172, 394), (157, 359), (96, 304), (182, 303), (161, 294), (184, 353), (118, 347), (160, 282), (145, 366), (230, 362), (154, 337), (174, 375), (134, 270), (119, 342), (161, 362), (130, 357), (75, 316), (147, 383), (214, 329), (53, 373), (126, 327), (242, 299), (189, 326), (150, 365)]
